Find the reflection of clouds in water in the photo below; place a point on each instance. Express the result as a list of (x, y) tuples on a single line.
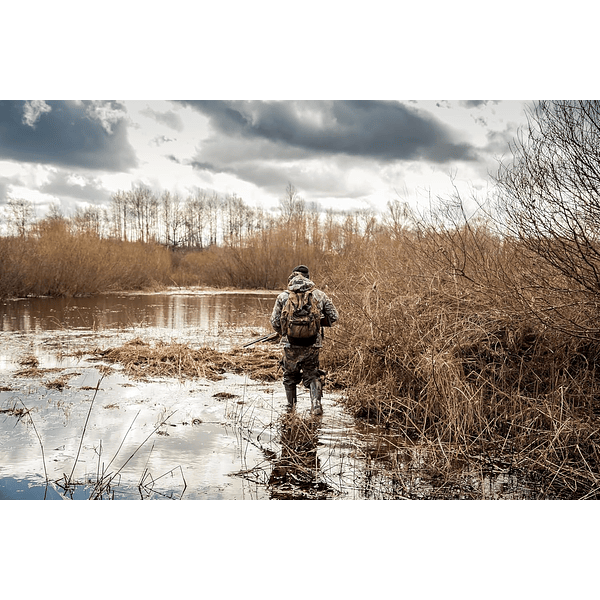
[(201, 442), (213, 437), (170, 311)]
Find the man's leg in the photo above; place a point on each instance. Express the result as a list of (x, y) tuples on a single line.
[(311, 375), (291, 375), (316, 391)]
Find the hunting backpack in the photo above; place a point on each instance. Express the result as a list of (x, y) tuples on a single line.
[(301, 318)]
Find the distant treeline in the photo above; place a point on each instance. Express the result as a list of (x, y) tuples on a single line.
[(143, 241), (196, 221)]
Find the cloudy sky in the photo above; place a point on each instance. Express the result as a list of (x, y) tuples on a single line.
[(341, 154)]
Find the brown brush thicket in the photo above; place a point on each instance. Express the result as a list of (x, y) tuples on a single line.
[(55, 257), (263, 259), (54, 261), (441, 340)]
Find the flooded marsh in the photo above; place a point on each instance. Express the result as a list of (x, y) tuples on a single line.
[(79, 423), (151, 396)]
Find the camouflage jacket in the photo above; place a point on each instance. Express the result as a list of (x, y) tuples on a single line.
[(301, 284)]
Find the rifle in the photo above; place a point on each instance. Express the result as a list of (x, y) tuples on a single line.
[(264, 338)]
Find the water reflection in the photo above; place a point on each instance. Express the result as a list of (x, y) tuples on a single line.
[(108, 438), (296, 471), (226, 439), (166, 311)]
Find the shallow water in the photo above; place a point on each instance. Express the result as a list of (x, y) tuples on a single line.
[(75, 431)]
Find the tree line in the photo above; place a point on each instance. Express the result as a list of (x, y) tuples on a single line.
[(196, 221)]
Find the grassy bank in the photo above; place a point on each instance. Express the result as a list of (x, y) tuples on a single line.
[(56, 262)]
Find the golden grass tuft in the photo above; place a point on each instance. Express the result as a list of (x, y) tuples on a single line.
[(142, 360)]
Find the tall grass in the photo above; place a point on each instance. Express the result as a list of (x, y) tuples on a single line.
[(260, 261), (56, 262), (440, 341)]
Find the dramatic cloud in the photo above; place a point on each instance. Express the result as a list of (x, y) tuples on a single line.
[(339, 154), (32, 111), (91, 135), (387, 131), (76, 187), (169, 118)]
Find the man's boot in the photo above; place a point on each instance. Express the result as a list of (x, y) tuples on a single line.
[(290, 393), (316, 390)]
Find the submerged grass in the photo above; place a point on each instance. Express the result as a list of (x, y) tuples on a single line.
[(142, 360)]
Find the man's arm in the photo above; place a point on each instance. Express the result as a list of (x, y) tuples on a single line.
[(330, 313), (276, 314)]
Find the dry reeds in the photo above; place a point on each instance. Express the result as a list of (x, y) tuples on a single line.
[(437, 344), (56, 262), (143, 360)]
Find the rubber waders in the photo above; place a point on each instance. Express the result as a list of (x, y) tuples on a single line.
[(316, 390), (290, 393)]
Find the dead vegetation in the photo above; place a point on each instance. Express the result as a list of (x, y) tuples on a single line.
[(441, 343), (15, 411), (60, 382), (142, 360), (32, 370)]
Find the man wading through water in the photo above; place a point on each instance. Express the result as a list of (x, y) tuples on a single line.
[(298, 316)]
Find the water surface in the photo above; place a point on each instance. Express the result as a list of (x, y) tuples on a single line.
[(74, 423)]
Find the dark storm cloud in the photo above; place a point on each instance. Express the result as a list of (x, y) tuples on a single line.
[(204, 166), (380, 130), (92, 135)]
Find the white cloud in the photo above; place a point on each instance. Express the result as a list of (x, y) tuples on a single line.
[(256, 168), (34, 196), (106, 113), (74, 179), (33, 110)]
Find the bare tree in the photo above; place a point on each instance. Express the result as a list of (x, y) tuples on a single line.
[(21, 214), (143, 205), (291, 205), (550, 202), (88, 220), (120, 214), (398, 218), (213, 204), (172, 218), (194, 219)]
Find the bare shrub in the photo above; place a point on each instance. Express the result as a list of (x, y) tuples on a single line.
[(55, 262), (437, 342)]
